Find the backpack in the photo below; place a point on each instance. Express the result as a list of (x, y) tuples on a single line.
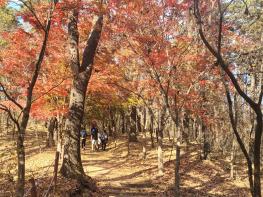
[(102, 137), (83, 134)]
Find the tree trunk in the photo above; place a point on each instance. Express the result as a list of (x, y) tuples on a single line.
[(232, 159), (128, 122), (239, 140), (177, 167), (133, 125), (51, 132), (257, 144), (145, 126), (20, 163), (71, 165), (160, 157), (123, 122), (177, 157), (160, 140)]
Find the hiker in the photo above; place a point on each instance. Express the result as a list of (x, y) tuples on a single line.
[(99, 140), (94, 136), (103, 139), (83, 135)]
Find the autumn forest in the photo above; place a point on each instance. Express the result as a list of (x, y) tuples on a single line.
[(131, 98)]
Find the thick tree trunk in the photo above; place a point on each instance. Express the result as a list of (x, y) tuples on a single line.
[(71, 165)]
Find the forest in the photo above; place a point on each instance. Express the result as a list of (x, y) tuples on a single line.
[(131, 98)]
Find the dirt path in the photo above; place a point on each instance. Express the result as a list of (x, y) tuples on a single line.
[(122, 175)]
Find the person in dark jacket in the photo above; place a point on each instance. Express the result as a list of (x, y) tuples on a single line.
[(94, 136)]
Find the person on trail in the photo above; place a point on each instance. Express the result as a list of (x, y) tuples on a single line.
[(94, 136), (83, 135), (99, 140), (103, 139)]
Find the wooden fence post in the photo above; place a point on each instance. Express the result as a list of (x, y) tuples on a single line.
[(33, 187)]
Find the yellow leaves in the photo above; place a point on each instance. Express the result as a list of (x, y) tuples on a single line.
[(132, 101)]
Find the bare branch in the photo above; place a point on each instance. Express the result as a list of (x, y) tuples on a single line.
[(32, 10), (39, 60), (6, 109), (2, 89)]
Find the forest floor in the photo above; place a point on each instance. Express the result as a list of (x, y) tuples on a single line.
[(118, 173)]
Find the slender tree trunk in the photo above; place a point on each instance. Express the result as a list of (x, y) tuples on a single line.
[(122, 122), (177, 157), (21, 127), (239, 140), (160, 157), (133, 125), (20, 163), (256, 106), (232, 159), (160, 140), (51, 132), (258, 136), (145, 125), (128, 122)]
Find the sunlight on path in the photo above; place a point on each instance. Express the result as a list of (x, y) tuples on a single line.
[(120, 175)]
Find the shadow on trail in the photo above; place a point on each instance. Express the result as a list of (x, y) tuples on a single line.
[(128, 191), (121, 174)]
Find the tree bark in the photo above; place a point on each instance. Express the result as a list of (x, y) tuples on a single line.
[(145, 126), (160, 140), (133, 125), (51, 132), (177, 156), (255, 106), (71, 164)]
